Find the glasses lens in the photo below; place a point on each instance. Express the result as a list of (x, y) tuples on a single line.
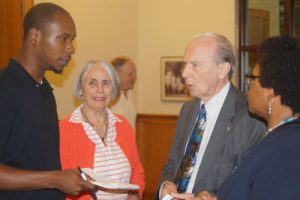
[(248, 80), (250, 77)]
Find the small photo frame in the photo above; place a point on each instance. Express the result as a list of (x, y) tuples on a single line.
[(172, 82)]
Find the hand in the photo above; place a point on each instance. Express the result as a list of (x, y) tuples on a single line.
[(168, 188), (205, 195), (187, 196), (70, 182), (133, 196)]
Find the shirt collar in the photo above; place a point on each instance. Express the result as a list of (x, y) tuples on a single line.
[(216, 102), (77, 116), (27, 78)]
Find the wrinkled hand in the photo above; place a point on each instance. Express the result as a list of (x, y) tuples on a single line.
[(70, 182), (133, 197), (204, 195), (171, 188), (187, 196), (168, 188)]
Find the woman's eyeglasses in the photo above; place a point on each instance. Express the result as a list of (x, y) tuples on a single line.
[(250, 77)]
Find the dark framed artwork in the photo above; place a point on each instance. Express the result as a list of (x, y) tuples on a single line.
[(172, 83), (258, 26)]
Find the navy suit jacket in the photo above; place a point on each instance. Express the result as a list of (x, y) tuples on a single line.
[(271, 171)]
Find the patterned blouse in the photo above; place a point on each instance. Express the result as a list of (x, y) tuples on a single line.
[(109, 159)]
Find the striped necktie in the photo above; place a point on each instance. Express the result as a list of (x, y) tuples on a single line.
[(189, 159)]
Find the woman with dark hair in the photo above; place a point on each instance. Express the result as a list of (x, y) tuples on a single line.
[(272, 169)]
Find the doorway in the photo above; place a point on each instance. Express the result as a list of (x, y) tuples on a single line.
[(11, 17)]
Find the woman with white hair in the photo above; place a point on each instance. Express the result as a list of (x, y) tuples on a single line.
[(96, 138)]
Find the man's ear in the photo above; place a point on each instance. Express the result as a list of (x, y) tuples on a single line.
[(34, 35), (224, 69)]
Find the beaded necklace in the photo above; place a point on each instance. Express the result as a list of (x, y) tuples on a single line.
[(285, 121), (102, 133)]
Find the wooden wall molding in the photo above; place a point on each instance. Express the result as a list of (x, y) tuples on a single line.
[(154, 134), (11, 21)]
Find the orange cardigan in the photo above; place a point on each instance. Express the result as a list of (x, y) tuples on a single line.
[(76, 149)]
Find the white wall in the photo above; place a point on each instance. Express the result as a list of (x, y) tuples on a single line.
[(144, 30)]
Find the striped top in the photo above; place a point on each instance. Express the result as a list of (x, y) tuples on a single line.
[(109, 159)]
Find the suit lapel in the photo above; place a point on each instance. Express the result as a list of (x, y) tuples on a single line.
[(223, 125), (189, 119), (192, 119)]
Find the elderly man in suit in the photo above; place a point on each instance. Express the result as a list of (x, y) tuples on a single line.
[(226, 132)]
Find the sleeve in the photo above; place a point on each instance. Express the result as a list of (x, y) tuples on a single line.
[(76, 149), (177, 147), (138, 176), (131, 152), (64, 140), (257, 133), (250, 132), (168, 170), (278, 176)]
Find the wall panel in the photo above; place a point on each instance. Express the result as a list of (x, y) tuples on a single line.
[(154, 139)]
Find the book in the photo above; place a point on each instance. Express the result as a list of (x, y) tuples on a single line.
[(107, 183)]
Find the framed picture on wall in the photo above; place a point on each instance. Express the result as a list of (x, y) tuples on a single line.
[(172, 83), (258, 25)]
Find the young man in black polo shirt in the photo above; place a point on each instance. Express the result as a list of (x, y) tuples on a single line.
[(29, 141)]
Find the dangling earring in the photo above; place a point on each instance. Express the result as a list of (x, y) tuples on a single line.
[(80, 94), (270, 105)]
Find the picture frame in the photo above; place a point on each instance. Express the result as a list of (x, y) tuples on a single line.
[(258, 25), (257, 28), (172, 82)]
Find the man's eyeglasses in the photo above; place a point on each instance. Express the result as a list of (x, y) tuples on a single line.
[(250, 77)]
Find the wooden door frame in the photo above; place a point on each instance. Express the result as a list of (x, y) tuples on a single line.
[(11, 35)]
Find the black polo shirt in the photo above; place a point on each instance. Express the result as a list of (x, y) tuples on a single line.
[(29, 134)]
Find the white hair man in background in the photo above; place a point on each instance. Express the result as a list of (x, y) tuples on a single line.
[(124, 104)]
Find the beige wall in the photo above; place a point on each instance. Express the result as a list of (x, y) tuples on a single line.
[(164, 28), (144, 30)]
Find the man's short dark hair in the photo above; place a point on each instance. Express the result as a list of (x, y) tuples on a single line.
[(279, 60), (40, 15)]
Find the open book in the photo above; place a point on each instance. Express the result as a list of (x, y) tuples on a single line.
[(107, 183)]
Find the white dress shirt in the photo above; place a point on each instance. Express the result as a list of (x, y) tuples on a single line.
[(213, 107)]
